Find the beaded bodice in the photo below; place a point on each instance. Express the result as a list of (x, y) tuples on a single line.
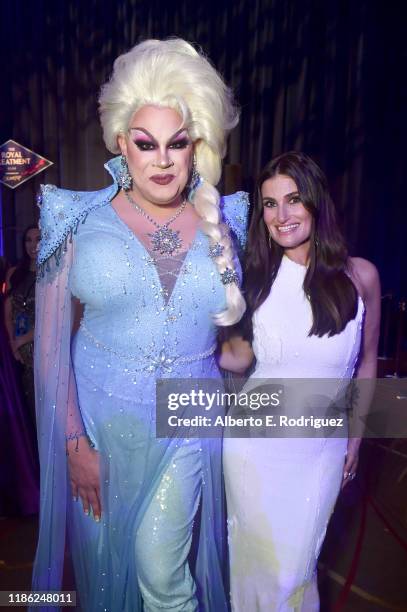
[(136, 306)]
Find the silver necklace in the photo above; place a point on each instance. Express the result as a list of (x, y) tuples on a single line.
[(164, 240)]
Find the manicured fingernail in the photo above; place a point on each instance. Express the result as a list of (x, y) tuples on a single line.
[(75, 498), (86, 512), (97, 518)]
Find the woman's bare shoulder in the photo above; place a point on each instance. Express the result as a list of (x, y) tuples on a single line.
[(364, 274)]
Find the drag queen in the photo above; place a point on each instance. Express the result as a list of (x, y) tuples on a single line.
[(152, 263), (314, 314)]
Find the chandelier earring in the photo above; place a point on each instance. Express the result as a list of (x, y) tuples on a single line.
[(195, 180), (124, 179)]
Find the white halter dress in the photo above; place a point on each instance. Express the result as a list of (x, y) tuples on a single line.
[(282, 491)]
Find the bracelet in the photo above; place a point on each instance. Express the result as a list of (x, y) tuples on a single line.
[(76, 436)]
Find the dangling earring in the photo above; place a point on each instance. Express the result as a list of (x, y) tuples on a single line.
[(316, 240), (124, 179), (194, 180)]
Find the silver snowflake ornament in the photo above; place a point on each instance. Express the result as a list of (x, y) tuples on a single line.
[(165, 240), (229, 276), (216, 250)]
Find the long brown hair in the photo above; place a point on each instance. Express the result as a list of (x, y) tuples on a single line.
[(332, 295)]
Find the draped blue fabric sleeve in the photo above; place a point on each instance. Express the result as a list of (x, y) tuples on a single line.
[(62, 211), (53, 379), (57, 408), (235, 210)]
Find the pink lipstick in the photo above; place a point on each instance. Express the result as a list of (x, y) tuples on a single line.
[(162, 179)]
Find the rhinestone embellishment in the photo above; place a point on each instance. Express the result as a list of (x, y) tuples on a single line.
[(150, 362), (216, 250), (165, 240), (160, 362), (229, 276)]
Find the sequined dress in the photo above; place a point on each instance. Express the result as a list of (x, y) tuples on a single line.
[(281, 491), (142, 320)]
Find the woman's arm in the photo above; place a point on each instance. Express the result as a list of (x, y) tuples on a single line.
[(366, 279), (58, 412), (83, 460), (236, 355)]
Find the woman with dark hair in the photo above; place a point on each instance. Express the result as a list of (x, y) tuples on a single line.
[(313, 313), (19, 312)]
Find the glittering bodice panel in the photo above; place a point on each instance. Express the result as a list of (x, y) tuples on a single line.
[(130, 321), (281, 326)]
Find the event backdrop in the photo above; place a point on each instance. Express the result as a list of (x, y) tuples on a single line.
[(324, 77)]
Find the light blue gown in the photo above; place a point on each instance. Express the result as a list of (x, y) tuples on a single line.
[(133, 331)]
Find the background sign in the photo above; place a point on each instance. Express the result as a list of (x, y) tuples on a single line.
[(18, 164)]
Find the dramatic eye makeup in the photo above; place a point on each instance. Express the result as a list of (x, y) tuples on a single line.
[(179, 143), (146, 142), (180, 140), (143, 140)]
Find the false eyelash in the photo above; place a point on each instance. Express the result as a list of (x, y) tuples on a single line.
[(144, 145), (180, 144)]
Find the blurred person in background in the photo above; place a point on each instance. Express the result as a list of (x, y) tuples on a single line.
[(19, 471), (19, 311)]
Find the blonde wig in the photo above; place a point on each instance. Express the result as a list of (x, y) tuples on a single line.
[(171, 73)]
